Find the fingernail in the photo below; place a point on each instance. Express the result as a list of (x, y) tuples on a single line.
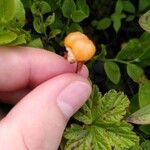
[(73, 97)]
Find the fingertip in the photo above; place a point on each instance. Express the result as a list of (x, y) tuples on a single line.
[(84, 72)]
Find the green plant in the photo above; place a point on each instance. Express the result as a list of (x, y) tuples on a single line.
[(121, 63)]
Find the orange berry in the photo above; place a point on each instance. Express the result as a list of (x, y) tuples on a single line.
[(79, 47)]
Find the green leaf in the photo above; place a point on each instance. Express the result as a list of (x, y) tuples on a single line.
[(145, 145), (144, 21), (7, 37), (131, 50), (128, 6), (68, 8), (38, 25), (134, 103), (102, 126), (40, 7), (54, 33), (58, 24), (135, 72), (7, 10), (20, 40), (45, 7), (74, 27), (113, 71), (145, 129), (82, 5), (119, 7), (144, 94), (116, 18), (27, 3), (50, 19), (142, 116), (19, 18), (103, 23), (101, 56), (78, 16), (143, 5), (81, 12), (54, 4), (145, 57), (37, 43), (130, 18)]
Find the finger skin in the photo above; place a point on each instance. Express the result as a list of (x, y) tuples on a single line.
[(22, 67), (14, 96), (37, 119)]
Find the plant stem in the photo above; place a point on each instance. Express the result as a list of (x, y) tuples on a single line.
[(119, 61), (122, 61)]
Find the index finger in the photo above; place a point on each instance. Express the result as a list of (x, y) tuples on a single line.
[(22, 67)]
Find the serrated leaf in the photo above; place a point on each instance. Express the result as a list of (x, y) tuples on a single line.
[(7, 10), (103, 127), (144, 21), (103, 23), (142, 116), (144, 94), (7, 37), (131, 50), (135, 72), (128, 6), (112, 107), (85, 114), (76, 131), (68, 8), (112, 71)]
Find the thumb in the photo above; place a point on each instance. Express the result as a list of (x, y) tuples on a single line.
[(40, 117)]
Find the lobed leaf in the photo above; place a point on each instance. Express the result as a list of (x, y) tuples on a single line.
[(103, 127)]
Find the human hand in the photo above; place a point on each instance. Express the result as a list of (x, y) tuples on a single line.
[(46, 93)]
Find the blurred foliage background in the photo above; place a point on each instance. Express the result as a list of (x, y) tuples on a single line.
[(120, 30)]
